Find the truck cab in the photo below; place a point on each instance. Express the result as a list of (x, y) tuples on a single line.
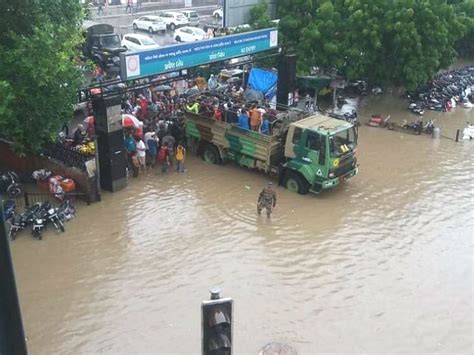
[(102, 45), (320, 153)]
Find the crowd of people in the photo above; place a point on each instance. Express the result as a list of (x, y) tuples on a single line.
[(160, 139)]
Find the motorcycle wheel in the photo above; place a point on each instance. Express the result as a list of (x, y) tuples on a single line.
[(37, 235), (14, 190), (12, 234), (59, 225)]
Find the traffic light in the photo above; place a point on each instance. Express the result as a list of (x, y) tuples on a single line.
[(217, 325)]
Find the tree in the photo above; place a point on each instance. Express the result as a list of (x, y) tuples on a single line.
[(401, 42), (465, 10), (259, 16), (39, 78)]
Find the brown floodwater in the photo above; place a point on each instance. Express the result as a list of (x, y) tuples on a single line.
[(383, 264)]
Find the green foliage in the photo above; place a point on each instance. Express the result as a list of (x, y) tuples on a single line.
[(38, 76), (401, 42), (259, 16), (465, 11)]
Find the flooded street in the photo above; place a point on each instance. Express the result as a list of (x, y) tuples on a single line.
[(380, 265)]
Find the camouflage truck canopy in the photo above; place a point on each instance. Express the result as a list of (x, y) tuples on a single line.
[(323, 124)]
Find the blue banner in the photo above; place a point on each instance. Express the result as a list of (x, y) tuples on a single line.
[(181, 56)]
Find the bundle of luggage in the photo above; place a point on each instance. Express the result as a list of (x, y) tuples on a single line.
[(57, 184)]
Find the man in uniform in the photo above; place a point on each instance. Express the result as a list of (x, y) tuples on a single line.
[(266, 199)]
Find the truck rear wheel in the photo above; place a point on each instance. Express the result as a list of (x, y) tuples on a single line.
[(210, 154), (296, 183)]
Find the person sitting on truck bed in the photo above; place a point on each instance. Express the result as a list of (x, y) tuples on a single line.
[(255, 118), (265, 127), (217, 115), (244, 120), (194, 107)]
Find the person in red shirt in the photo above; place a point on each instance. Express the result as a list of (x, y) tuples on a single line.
[(144, 105), (217, 115)]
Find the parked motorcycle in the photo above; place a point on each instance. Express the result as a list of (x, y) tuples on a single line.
[(378, 121), (9, 209), (416, 126), (22, 220), (429, 127), (10, 184), (350, 117), (66, 211), (52, 216)]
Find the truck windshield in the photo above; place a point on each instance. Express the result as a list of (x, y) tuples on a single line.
[(342, 142), (110, 41)]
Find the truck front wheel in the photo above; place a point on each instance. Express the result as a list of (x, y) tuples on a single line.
[(296, 183), (210, 154)]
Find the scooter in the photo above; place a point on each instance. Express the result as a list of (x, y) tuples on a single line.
[(468, 132), (9, 183)]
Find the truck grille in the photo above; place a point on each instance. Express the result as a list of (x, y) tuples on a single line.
[(345, 168)]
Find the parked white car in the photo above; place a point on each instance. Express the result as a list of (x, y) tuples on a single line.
[(138, 42), (218, 13), (192, 17), (173, 19), (149, 23), (189, 34)]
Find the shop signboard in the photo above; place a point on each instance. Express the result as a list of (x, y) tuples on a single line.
[(187, 55)]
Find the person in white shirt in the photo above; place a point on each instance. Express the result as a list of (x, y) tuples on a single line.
[(141, 154)]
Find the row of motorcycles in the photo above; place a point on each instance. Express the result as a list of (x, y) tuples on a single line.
[(419, 127), (445, 91), (38, 216), (415, 127)]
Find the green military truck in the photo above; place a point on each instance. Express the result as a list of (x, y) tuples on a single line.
[(307, 154)]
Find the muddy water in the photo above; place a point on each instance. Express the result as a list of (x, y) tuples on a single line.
[(381, 265)]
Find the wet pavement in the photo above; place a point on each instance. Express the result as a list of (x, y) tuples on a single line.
[(123, 23), (381, 265)]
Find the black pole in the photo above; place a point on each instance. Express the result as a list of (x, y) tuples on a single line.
[(12, 334), (224, 14), (457, 135), (97, 170)]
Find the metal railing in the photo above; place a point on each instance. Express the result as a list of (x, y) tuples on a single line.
[(68, 156), (28, 199)]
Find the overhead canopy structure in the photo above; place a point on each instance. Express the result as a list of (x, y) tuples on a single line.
[(316, 82)]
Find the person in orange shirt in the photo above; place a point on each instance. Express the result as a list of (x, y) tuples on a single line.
[(255, 118)]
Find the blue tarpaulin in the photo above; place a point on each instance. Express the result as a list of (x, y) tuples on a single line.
[(264, 81)]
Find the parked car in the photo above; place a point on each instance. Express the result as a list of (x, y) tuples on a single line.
[(149, 23), (138, 42), (189, 34), (173, 19), (218, 13), (192, 17), (102, 45)]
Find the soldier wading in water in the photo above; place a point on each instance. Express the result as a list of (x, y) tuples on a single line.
[(267, 199)]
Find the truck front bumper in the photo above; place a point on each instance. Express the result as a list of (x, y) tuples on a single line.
[(330, 183)]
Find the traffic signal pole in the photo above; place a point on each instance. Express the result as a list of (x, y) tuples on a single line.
[(12, 334), (217, 330)]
